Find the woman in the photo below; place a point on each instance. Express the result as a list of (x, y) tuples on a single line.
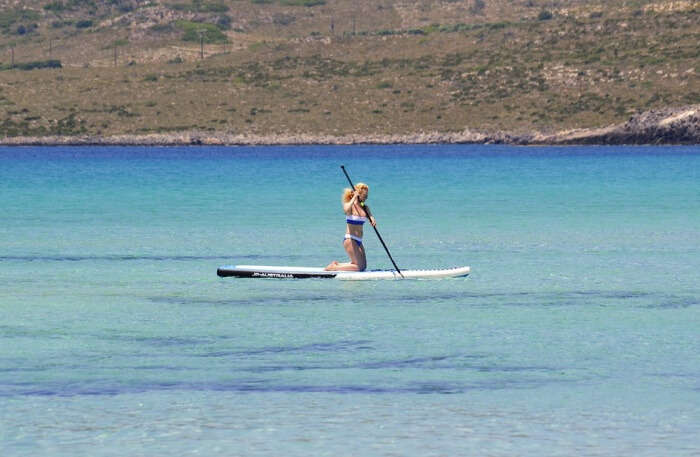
[(355, 216)]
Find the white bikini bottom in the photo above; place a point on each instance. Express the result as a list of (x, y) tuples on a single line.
[(353, 237)]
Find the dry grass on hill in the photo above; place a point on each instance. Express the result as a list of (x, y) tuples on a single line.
[(409, 67)]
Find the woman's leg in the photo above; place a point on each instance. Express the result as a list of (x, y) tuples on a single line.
[(356, 253), (361, 257)]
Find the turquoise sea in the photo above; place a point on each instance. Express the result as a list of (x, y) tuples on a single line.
[(577, 333)]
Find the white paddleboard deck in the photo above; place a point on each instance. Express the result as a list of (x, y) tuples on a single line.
[(282, 272)]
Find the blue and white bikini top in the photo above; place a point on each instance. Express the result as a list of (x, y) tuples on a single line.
[(355, 220)]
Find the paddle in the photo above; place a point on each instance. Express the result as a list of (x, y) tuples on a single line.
[(369, 214)]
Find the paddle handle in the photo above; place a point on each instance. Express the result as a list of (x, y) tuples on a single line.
[(369, 214)]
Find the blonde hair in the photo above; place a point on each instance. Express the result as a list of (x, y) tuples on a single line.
[(347, 193)]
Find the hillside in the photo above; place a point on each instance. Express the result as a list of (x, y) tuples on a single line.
[(335, 67)]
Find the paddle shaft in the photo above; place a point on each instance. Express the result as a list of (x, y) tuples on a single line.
[(369, 214)]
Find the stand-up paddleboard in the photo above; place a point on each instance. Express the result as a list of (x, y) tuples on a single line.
[(281, 272), (264, 271)]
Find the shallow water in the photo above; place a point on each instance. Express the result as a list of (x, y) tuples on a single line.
[(575, 334)]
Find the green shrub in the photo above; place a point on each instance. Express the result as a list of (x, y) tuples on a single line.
[(83, 24), (431, 28), (33, 65), (200, 7), (215, 8), (75, 4), (162, 28), (117, 43), (211, 33), (307, 3), (545, 15), (9, 18), (56, 6), (224, 22), (477, 7), (497, 25)]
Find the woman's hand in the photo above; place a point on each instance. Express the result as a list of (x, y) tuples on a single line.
[(372, 221)]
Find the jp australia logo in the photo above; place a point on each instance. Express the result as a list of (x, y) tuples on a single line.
[(272, 275)]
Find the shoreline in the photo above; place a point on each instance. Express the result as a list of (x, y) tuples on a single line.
[(671, 126)]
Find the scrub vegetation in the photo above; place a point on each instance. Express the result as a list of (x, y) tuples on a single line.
[(336, 67)]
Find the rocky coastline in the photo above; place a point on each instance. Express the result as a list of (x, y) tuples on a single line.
[(668, 126)]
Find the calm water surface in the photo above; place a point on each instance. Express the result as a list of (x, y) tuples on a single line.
[(576, 334)]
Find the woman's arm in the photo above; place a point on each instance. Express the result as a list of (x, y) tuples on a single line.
[(347, 207)]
